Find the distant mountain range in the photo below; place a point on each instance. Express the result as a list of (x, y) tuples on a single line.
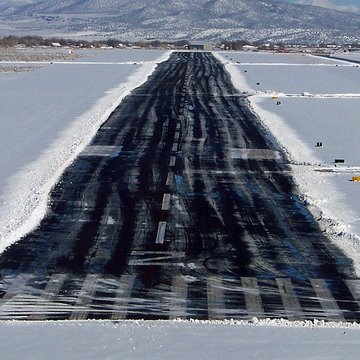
[(208, 20)]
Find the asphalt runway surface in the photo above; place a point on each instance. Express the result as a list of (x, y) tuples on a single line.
[(184, 207)]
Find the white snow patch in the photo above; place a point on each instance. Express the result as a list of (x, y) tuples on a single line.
[(48, 117), (256, 339)]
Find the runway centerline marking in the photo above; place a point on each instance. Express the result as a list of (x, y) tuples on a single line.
[(166, 202), (172, 161), (169, 179), (160, 237)]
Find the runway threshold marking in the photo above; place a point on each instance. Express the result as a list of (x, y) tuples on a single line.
[(50, 292), (123, 295), (178, 304), (166, 202), (215, 298), (354, 287), (84, 298), (252, 296), (54, 285), (160, 237), (327, 301), (289, 299)]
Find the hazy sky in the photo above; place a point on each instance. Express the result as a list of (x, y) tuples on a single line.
[(343, 5)]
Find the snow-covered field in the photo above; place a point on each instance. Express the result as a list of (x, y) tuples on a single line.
[(178, 340), (47, 117), (319, 102), (273, 58), (297, 79), (351, 56)]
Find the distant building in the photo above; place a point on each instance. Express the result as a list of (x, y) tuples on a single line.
[(250, 48), (201, 46)]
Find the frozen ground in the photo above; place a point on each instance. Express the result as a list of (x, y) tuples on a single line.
[(319, 102), (47, 117), (181, 340)]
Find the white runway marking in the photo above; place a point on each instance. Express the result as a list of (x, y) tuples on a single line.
[(169, 179), (54, 285), (354, 287), (99, 150), (178, 307), (327, 301), (81, 312), (172, 161), (215, 297), (252, 297), (290, 301), (255, 154), (166, 202), (123, 295), (160, 237), (52, 289)]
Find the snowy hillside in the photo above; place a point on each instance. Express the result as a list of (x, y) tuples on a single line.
[(196, 19)]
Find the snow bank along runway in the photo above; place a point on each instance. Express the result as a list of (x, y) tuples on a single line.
[(181, 207), (319, 100)]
